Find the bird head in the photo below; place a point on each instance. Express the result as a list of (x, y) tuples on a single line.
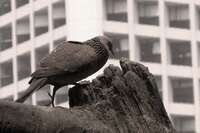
[(107, 44)]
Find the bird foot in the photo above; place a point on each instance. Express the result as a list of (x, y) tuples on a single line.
[(48, 104)]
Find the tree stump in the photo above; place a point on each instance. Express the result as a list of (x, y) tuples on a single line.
[(122, 100)]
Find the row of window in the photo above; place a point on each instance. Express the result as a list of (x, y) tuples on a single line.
[(41, 25), (23, 64), (179, 52), (149, 50), (147, 12), (5, 5), (181, 89)]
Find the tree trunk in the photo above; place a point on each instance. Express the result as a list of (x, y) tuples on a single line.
[(118, 101)]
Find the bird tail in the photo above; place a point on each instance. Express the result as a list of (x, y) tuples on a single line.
[(35, 85)]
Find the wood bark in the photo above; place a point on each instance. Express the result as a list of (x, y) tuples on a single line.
[(122, 100)]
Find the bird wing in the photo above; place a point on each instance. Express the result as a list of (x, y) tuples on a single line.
[(67, 57)]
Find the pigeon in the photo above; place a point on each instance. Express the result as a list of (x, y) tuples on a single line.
[(69, 63)]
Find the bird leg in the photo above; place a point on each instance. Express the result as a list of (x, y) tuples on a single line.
[(53, 95), (49, 94)]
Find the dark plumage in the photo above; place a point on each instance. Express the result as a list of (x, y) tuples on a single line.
[(69, 63)]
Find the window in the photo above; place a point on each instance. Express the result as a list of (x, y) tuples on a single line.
[(182, 90), (5, 37), (198, 17), (23, 30), (42, 96), (59, 41), (62, 95), (149, 49), (23, 66), (116, 10), (20, 3), (59, 14), (6, 73), (178, 16), (41, 22), (180, 53), (40, 53), (184, 124), (148, 12), (5, 6), (120, 45)]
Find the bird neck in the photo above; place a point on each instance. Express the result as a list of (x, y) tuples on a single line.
[(99, 48)]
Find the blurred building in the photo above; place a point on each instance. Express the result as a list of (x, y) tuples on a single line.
[(162, 34)]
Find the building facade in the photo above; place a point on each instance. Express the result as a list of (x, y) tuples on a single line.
[(162, 34)]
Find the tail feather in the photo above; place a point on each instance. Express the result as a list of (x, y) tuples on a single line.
[(35, 85)]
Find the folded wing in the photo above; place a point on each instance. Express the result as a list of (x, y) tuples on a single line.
[(66, 58)]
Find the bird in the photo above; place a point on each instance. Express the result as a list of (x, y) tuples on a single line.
[(68, 63)]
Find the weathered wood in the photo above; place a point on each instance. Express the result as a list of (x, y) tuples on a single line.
[(118, 101)]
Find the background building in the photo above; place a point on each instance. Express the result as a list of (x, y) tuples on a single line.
[(162, 34)]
